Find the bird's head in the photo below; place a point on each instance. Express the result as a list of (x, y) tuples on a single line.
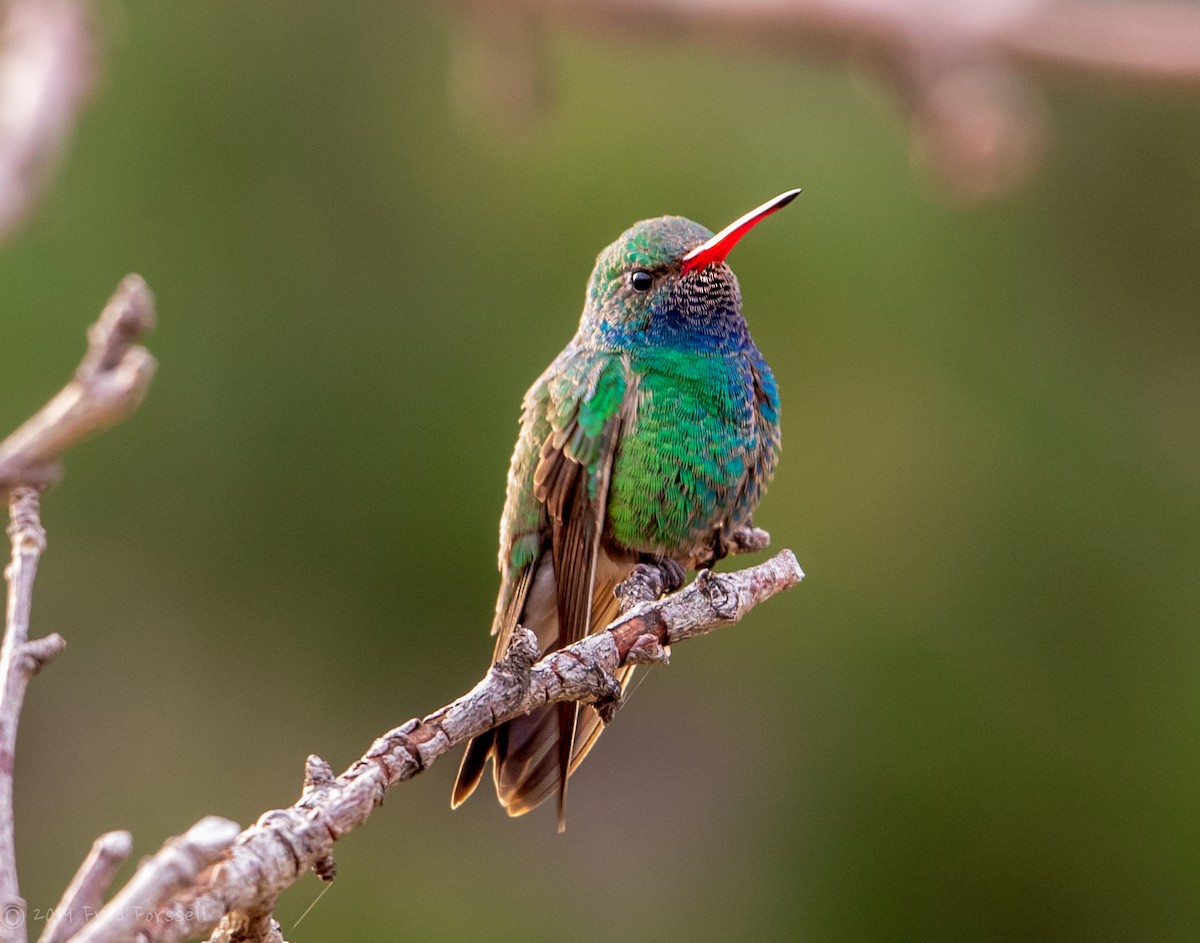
[(666, 279)]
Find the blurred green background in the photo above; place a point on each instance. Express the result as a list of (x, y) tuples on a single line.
[(979, 717)]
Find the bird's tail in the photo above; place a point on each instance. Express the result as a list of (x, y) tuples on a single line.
[(529, 752)]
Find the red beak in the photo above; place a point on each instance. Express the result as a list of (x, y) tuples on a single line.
[(716, 248)]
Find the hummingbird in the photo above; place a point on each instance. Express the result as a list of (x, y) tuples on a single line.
[(649, 440)]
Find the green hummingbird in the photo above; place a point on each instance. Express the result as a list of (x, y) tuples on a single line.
[(649, 439)]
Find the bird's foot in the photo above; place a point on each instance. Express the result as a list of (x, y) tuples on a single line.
[(608, 705), (748, 540), (647, 582), (647, 650)]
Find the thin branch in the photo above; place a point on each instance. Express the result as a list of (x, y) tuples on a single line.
[(241, 890), (108, 384), (47, 69), (1148, 42), (176, 866), (18, 663), (84, 896)]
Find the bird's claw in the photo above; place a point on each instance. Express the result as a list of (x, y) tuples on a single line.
[(325, 868), (608, 705), (748, 540), (647, 582), (647, 650)]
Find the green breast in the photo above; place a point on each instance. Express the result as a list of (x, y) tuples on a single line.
[(681, 466)]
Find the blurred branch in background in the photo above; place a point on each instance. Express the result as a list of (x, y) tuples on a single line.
[(213, 879), (108, 384), (964, 73), (47, 69)]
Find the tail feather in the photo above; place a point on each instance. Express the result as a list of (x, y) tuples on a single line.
[(525, 747), (568, 716), (527, 771), (549, 740), (530, 752), (470, 771)]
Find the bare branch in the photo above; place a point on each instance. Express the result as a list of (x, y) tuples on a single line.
[(962, 72), (233, 929), (16, 668), (108, 385), (268, 857), (178, 864), (47, 69), (1147, 44), (83, 897)]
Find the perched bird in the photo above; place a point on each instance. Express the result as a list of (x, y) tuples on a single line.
[(650, 438)]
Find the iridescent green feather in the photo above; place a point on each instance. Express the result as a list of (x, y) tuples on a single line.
[(681, 466), (580, 391)]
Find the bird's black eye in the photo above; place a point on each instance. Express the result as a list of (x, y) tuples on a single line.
[(641, 280)]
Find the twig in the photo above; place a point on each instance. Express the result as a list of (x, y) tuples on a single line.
[(272, 854), (82, 899), (108, 384), (19, 661), (176, 866), (47, 69)]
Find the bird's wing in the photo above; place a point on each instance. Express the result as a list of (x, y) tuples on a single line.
[(571, 482), (558, 487), (524, 528)]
